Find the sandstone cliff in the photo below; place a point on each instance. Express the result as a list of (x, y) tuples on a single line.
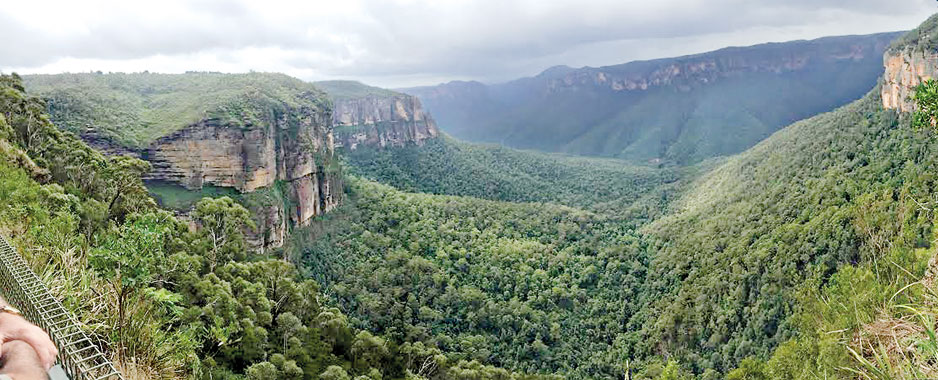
[(293, 147), (906, 68), (377, 118), (686, 72), (267, 136)]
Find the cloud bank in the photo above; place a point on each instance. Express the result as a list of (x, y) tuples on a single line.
[(411, 42)]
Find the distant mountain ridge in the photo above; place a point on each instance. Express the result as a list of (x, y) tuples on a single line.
[(682, 109)]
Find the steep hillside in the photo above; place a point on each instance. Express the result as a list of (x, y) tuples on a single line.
[(819, 225), (837, 190), (681, 109), (775, 264), (537, 287), (375, 117), (267, 136)]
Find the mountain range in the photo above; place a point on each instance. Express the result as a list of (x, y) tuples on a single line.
[(680, 110)]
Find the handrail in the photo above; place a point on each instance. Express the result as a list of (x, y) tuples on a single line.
[(21, 287)]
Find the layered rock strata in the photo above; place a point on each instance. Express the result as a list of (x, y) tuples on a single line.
[(289, 156), (904, 70), (687, 72), (381, 121)]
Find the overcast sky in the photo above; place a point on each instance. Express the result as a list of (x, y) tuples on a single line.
[(398, 43)]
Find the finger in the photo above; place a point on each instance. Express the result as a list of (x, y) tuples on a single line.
[(43, 346), (48, 357), (54, 354), (48, 365), (48, 360)]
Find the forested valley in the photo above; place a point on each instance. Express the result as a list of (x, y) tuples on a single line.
[(168, 302), (810, 255), (746, 270)]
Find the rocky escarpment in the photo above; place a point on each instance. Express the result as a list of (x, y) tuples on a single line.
[(264, 139), (905, 69), (288, 158), (375, 117), (684, 73), (382, 121)]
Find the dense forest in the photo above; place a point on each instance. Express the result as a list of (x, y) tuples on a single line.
[(451, 167), (541, 287), (166, 301), (535, 287), (752, 268), (836, 190), (810, 255)]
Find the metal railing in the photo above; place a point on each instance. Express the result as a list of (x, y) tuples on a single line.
[(21, 287)]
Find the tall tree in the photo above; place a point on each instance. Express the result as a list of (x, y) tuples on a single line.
[(221, 222), (124, 190), (128, 256)]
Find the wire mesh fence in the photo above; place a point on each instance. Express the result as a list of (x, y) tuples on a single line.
[(21, 287)]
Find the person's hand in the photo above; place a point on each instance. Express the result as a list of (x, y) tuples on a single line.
[(15, 327), (20, 362)]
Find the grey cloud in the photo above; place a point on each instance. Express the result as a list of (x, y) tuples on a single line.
[(485, 39), (506, 38)]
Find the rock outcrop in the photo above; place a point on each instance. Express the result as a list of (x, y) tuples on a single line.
[(382, 121), (375, 117), (291, 155), (905, 69), (262, 138)]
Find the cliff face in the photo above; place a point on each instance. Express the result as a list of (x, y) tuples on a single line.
[(370, 116), (379, 122), (906, 69), (263, 138), (686, 72), (294, 148)]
